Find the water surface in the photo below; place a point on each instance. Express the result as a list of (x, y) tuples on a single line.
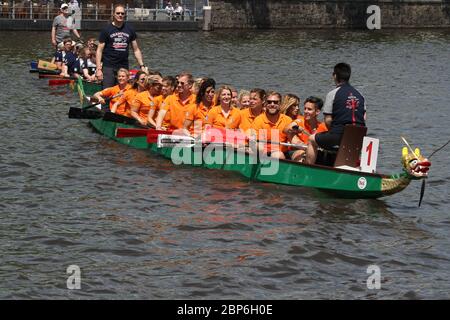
[(140, 227)]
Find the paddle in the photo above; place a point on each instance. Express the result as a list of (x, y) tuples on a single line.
[(59, 82), (54, 76), (422, 188), (138, 132), (46, 65), (169, 140), (78, 113)]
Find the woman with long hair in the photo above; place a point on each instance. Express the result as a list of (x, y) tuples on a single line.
[(204, 102), (224, 114), (139, 85), (290, 106)]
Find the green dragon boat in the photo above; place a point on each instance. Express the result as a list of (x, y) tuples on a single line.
[(342, 183)]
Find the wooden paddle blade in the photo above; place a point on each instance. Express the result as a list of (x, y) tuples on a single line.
[(78, 113), (59, 82), (46, 65)]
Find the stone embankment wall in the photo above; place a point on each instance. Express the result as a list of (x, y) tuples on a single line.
[(244, 14)]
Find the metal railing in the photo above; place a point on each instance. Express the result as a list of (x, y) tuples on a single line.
[(33, 10)]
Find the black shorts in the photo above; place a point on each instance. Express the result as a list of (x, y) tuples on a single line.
[(328, 140)]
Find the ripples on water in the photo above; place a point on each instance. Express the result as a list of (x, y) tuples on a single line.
[(140, 227)]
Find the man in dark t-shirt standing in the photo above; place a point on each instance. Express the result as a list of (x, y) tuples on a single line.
[(343, 105), (113, 48)]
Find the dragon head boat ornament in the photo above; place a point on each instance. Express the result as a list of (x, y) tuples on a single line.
[(415, 164)]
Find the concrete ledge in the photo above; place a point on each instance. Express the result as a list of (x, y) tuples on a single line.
[(97, 25)]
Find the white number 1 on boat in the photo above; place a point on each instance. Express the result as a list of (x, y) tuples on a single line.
[(369, 154)]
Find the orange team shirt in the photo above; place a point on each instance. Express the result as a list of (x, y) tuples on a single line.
[(217, 119), (262, 122), (143, 101), (157, 106), (201, 114), (300, 121), (247, 119), (179, 110), (113, 91)]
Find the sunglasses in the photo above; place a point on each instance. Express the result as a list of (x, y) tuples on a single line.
[(273, 102), (120, 13), (181, 83)]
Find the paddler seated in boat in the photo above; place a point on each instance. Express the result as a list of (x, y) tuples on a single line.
[(248, 115), (343, 105), (66, 47), (197, 83), (145, 100), (234, 97), (80, 69), (90, 63), (114, 93), (69, 59), (167, 88), (204, 101), (224, 114), (56, 55), (124, 102), (268, 128), (244, 99), (290, 105), (301, 128), (180, 105)]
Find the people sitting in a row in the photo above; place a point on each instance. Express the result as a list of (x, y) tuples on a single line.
[(76, 60), (167, 103)]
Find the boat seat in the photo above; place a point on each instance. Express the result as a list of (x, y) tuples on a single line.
[(350, 148)]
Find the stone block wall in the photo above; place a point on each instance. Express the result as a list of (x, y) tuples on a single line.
[(244, 14)]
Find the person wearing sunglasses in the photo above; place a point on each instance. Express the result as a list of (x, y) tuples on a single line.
[(180, 105), (113, 48), (269, 127)]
